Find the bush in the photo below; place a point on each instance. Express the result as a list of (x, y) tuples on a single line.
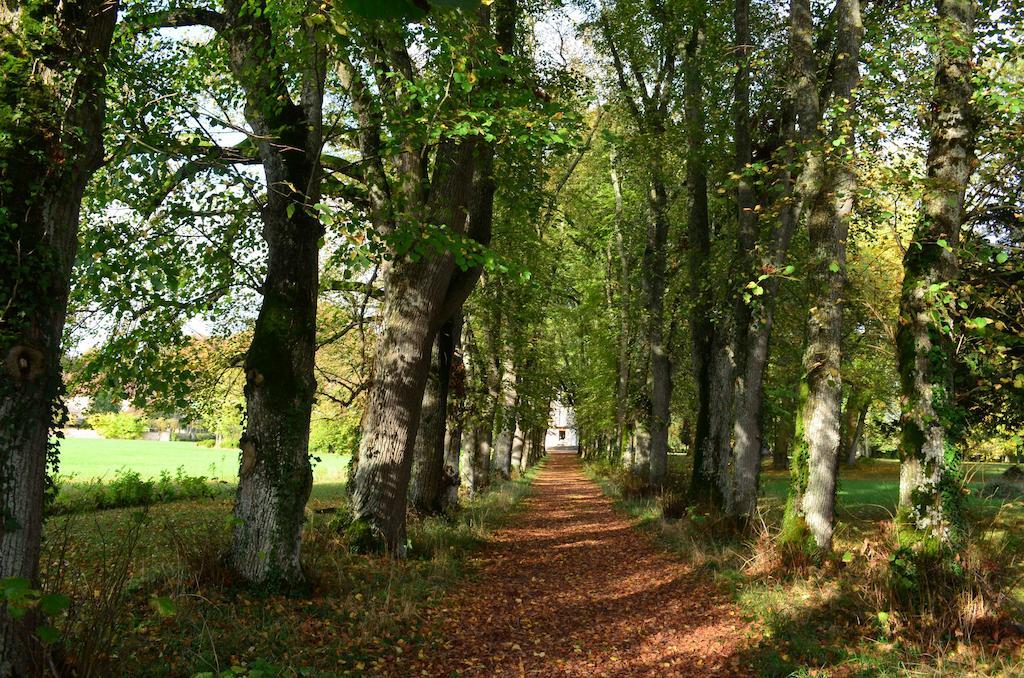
[(128, 489), (225, 443), (630, 483), (673, 504), (334, 436), (118, 425)]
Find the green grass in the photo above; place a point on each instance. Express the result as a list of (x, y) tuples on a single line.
[(361, 609), (84, 460), (867, 491)]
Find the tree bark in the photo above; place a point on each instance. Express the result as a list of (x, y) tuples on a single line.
[(855, 440), (418, 297), (275, 475), (428, 470), (741, 497), (699, 230), (503, 444), (456, 420), (55, 80), (784, 435), (930, 494), (622, 383), (660, 368), (830, 207)]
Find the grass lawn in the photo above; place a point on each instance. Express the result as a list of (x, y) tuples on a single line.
[(868, 491), (86, 460)]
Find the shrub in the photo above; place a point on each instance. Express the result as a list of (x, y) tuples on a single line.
[(630, 483), (673, 504), (334, 436), (128, 489), (119, 425)]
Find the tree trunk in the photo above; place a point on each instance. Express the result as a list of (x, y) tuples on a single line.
[(419, 295), (699, 231), (456, 421), (642, 450), (55, 81), (830, 207), (855, 438), (660, 369), (503, 445), (930, 493), (518, 447), (414, 301), (784, 436), (741, 496), (622, 383), (275, 475), (428, 469), (710, 481)]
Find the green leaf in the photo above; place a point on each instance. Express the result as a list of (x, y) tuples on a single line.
[(163, 605), (54, 603), (834, 267), (290, 210), (848, 557), (1002, 257), (386, 9), (15, 587), (47, 634)]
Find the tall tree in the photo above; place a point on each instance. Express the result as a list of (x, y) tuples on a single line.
[(830, 201), (646, 72), (52, 103), (275, 476), (449, 182), (930, 494)]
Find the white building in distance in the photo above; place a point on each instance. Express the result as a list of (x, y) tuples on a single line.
[(561, 427)]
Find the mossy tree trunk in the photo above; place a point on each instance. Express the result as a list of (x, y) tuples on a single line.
[(275, 475), (53, 83), (830, 203), (930, 474)]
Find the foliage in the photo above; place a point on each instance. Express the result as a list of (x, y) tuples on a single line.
[(128, 489), (334, 436), (118, 425)]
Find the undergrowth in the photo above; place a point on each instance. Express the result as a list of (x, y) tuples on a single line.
[(853, 613), (128, 489), (150, 594)]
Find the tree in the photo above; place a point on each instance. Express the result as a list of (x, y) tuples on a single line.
[(644, 44), (930, 494), (436, 209), (52, 103)]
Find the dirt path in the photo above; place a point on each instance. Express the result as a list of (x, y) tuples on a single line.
[(572, 589)]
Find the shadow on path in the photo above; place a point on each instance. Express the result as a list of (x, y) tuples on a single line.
[(572, 589)]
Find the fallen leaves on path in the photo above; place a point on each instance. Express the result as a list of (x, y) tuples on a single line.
[(573, 589)]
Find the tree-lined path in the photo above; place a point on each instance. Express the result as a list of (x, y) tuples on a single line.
[(574, 589)]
